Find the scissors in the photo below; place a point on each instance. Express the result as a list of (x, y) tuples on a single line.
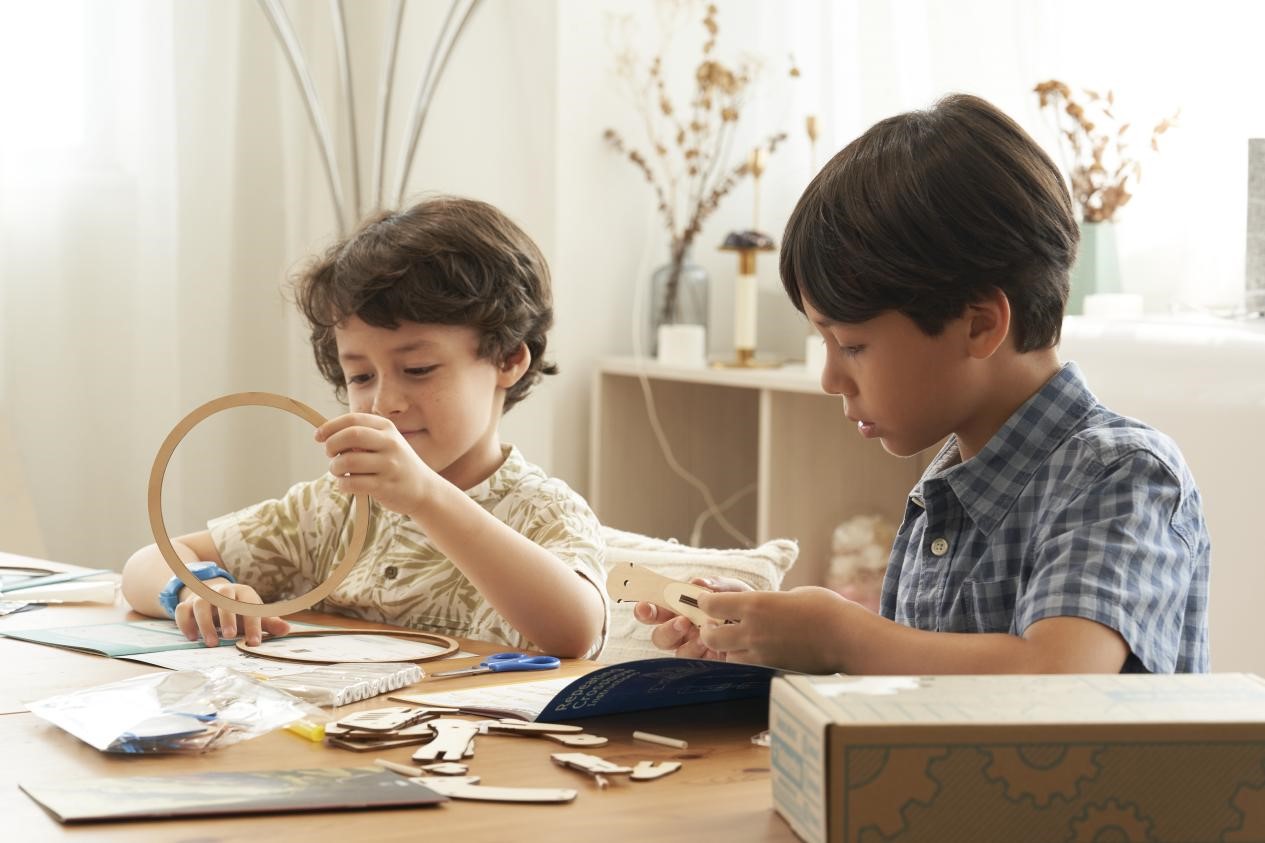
[(504, 661)]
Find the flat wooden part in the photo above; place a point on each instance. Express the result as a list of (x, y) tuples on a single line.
[(628, 581), (646, 771), (356, 745), (359, 529), (585, 763), (263, 649), (576, 740), (378, 719), (449, 768), (451, 743), (456, 789), (522, 727)]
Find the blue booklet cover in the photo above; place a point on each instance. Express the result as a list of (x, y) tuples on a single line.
[(656, 683)]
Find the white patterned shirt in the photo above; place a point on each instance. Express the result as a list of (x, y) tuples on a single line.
[(284, 548)]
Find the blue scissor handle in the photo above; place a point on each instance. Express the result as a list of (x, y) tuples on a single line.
[(519, 661)]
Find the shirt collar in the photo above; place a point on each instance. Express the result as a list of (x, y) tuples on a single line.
[(494, 485), (988, 484)]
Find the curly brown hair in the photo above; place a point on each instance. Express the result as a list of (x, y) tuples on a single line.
[(929, 211), (446, 261)]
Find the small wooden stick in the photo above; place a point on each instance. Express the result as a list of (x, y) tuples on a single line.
[(649, 737), (628, 582)]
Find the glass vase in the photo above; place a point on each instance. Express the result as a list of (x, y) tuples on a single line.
[(1097, 267), (678, 296)]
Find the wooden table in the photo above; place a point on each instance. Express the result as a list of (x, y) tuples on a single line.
[(722, 791)]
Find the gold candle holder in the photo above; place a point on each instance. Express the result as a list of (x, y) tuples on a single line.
[(745, 299)]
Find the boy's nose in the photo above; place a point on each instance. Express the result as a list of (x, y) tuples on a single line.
[(388, 400), (836, 383)]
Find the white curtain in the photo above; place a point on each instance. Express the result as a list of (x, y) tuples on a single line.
[(142, 238), (1182, 238), (159, 182)]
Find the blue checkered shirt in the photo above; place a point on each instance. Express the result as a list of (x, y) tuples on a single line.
[(1070, 510)]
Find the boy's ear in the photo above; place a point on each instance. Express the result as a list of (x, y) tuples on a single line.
[(988, 324), (513, 366)]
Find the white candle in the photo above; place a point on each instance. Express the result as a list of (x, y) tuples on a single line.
[(744, 312)]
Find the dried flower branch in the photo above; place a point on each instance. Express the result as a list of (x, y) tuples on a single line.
[(1103, 168), (689, 150)]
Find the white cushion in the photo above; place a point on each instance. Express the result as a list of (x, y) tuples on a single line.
[(760, 567)]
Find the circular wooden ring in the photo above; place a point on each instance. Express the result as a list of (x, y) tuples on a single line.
[(359, 529), (449, 644)]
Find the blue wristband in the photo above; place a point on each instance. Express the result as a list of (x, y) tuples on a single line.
[(170, 595)]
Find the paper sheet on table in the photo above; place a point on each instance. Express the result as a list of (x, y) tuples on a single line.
[(521, 699), (120, 639)]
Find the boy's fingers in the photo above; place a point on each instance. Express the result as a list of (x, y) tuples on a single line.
[(253, 633), (185, 622), (276, 626), (724, 605), (203, 613), (228, 624), (650, 613), (726, 638), (671, 635)]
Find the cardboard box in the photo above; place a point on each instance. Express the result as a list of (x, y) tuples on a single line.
[(1020, 758)]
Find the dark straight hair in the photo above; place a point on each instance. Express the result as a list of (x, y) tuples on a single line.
[(928, 212)]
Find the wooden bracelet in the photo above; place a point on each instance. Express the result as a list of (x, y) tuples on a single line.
[(359, 529)]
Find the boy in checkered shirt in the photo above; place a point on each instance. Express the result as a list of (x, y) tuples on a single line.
[(1049, 534)]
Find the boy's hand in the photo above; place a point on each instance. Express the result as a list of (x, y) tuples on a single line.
[(798, 629), (195, 616), (673, 632), (370, 456)]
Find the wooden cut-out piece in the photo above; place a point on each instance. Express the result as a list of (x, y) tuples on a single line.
[(456, 789), (629, 582), (379, 719), (339, 571), (376, 744), (447, 768), (588, 763), (576, 740), (646, 771), (452, 740), (283, 647), (523, 728)]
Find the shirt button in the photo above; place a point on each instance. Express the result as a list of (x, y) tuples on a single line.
[(940, 546), (391, 572)]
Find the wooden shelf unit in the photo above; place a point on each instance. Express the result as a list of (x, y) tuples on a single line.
[(771, 429)]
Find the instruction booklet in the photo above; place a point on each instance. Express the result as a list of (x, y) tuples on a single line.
[(628, 686)]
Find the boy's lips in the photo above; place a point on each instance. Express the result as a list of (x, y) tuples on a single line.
[(865, 427)]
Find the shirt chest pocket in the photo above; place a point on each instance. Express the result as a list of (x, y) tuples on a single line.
[(989, 605)]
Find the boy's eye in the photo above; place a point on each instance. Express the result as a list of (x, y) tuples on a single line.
[(357, 379), (851, 350), (420, 370)]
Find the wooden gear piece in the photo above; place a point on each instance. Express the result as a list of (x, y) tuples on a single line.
[(449, 645), (628, 581), (359, 530)]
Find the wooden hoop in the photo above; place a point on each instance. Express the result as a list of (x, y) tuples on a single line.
[(359, 529), (449, 644)]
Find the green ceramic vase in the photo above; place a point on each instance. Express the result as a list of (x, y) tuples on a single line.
[(1097, 267)]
